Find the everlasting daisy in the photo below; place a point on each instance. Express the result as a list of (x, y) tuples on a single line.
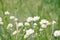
[(26, 24), (0, 19), (34, 25), (19, 24), (7, 13), (9, 26), (1, 23), (29, 32), (57, 33), (43, 26), (53, 22), (12, 17), (29, 19), (15, 32), (44, 21), (36, 18)]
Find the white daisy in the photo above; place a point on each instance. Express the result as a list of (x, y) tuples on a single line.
[(15, 32), (53, 22), (9, 26), (12, 17), (57, 33), (44, 21), (29, 32), (29, 19), (26, 24), (34, 25), (0, 19), (19, 24), (7, 13), (36, 18), (15, 19), (1, 23), (43, 26)]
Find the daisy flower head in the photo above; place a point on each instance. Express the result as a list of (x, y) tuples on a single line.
[(12, 17), (7, 13), (29, 19), (53, 22), (0, 19), (19, 24), (26, 24), (15, 32), (9, 26), (57, 33), (36, 18), (34, 25), (26, 36), (43, 26), (29, 32), (1, 23), (44, 21)]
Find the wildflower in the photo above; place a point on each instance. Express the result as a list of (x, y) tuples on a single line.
[(34, 25), (12, 17), (1, 22), (53, 22), (43, 26), (57, 33), (29, 32), (9, 26), (36, 18), (19, 24), (7, 13), (26, 24), (0, 19), (15, 32), (29, 19), (44, 21)]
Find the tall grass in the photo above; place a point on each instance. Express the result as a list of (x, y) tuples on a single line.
[(46, 9)]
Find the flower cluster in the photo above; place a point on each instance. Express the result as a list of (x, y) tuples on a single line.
[(35, 18), (29, 26), (44, 23), (28, 32)]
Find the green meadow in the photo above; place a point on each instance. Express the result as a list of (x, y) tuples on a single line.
[(22, 9)]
